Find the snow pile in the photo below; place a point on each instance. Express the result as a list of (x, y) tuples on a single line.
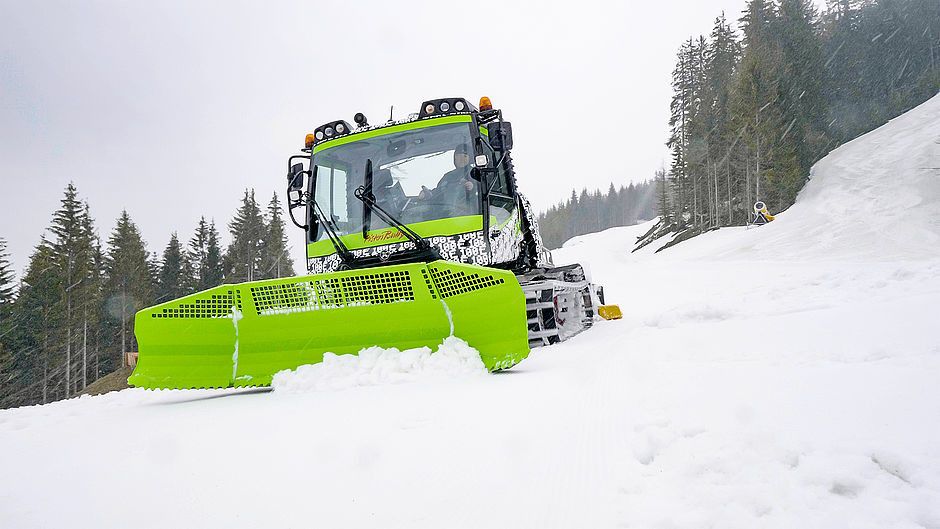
[(376, 366)]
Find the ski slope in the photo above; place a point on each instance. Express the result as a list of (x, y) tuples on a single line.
[(783, 376)]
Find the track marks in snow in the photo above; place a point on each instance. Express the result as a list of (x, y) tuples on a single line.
[(892, 465), (651, 439)]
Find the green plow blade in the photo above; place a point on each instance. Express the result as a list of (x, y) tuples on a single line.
[(241, 335)]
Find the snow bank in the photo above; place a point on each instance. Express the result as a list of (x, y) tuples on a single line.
[(375, 366)]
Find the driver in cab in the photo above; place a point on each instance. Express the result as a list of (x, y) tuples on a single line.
[(456, 185)]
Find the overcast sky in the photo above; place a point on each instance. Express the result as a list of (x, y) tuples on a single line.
[(171, 109)]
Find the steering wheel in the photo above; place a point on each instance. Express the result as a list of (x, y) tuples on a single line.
[(419, 210)]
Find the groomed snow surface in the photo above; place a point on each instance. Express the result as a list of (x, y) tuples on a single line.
[(783, 376)]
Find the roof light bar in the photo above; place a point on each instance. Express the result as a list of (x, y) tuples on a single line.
[(330, 130), (443, 107)]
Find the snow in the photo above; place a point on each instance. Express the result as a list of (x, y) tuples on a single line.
[(781, 376), (376, 366)]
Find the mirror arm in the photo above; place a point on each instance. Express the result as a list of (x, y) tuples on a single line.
[(304, 197), (486, 143), (291, 207), (485, 188)]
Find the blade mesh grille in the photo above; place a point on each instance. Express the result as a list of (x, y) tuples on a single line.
[(450, 283), (335, 292), (205, 306)]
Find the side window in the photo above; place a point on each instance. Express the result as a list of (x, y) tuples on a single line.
[(331, 195), (501, 200), (339, 198), (502, 179)]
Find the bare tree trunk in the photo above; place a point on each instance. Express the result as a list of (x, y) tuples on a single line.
[(68, 344), (45, 370), (715, 172), (757, 168), (97, 356), (85, 351), (728, 181), (747, 183), (123, 324)]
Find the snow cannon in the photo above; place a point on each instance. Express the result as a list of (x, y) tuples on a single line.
[(761, 215)]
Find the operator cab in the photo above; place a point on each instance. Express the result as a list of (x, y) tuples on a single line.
[(415, 178), (438, 184)]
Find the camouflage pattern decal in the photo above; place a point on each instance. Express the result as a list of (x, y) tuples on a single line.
[(469, 248), (544, 255)]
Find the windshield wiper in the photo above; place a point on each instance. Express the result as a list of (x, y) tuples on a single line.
[(364, 194), (344, 254)]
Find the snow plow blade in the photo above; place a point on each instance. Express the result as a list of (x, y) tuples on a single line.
[(241, 335)]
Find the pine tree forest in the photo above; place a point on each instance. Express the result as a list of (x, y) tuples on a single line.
[(70, 318), (754, 107), (590, 212)]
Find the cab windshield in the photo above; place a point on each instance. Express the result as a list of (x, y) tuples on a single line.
[(417, 175)]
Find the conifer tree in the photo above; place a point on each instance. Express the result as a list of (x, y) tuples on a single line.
[(214, 266), (171, 282), (7, 285), (73, 250), (275, 257), (128, 286), (682, 110), (754, 98), (89, 303), (203, 264), (196, 259), (723, 54), (662, 197), (613, 209), (803, 107), (38, 316), (7, 291), (244, 255)]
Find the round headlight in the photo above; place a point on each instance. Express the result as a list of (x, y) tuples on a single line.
[(329, 131), (319, 134), (445, 106), (340, 128), (458, 106), (429, 108)]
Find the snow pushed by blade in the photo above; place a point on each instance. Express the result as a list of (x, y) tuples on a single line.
[(375, 366)]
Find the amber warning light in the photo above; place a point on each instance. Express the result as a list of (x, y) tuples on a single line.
[(485, 103)]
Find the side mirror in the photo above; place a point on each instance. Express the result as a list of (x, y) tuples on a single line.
[(500, 135), (295, 177), (295, 183)]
